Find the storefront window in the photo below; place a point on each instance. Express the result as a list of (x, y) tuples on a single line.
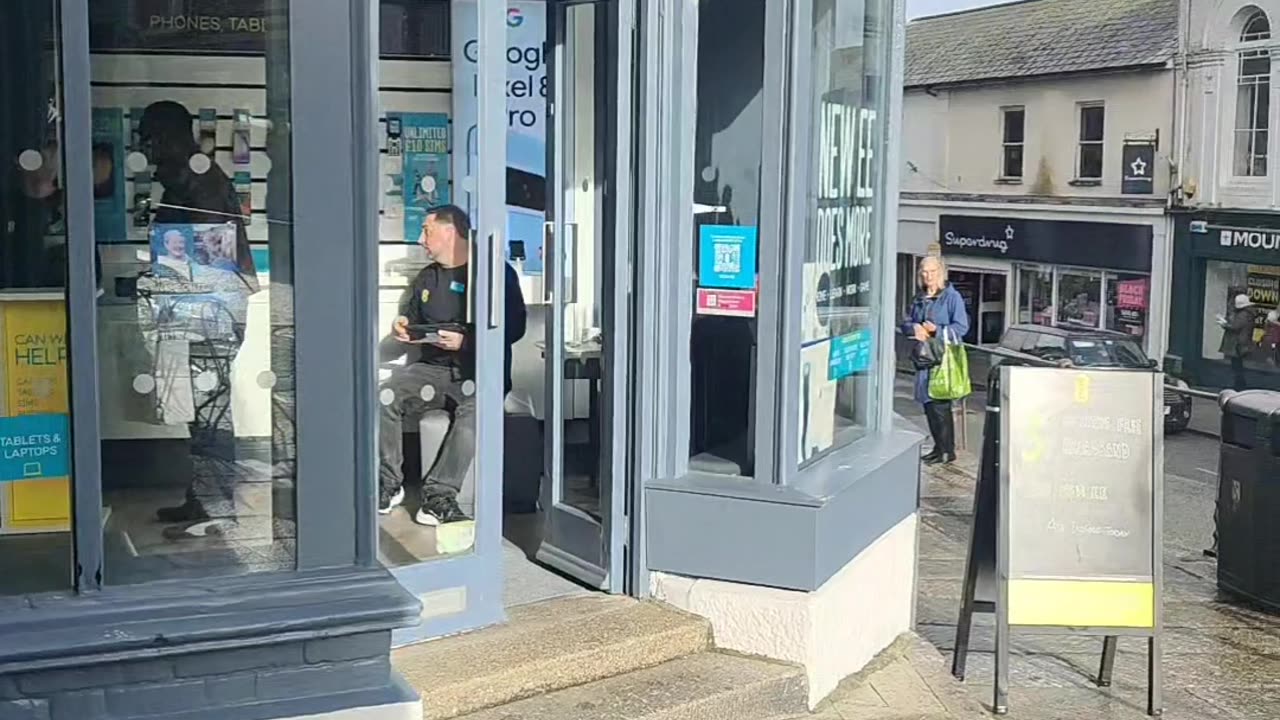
[(726, 197), (844, 237), (1035, 296), (1224, 281), (1079, 299), (35, 490), (195, 324)]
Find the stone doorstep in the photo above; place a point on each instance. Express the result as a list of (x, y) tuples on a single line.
[(546, 647), (704, 686)]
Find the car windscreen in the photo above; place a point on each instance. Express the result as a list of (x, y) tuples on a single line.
[(1106, 351)]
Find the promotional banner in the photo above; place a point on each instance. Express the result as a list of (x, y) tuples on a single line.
[(526, 122), (423, 144), (108, 175)]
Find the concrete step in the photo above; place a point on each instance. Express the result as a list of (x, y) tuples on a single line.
[(545, 647), (706, 686)]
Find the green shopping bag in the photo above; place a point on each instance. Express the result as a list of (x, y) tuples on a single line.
[(950, 379)]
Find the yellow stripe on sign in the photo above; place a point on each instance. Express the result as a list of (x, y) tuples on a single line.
[(1082, 603)]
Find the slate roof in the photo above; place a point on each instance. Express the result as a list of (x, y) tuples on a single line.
[(1040, 37)]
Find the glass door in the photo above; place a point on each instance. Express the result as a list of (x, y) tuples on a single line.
[(586, 243)]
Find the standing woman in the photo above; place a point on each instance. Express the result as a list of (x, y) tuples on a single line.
[(1237, 338), (937, 309)]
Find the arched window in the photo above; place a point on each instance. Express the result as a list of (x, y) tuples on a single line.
[(1253, 98)]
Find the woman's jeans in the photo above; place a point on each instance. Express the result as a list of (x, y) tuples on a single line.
[(942, 426), (1237, 373)]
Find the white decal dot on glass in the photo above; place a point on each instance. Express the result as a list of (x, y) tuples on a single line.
[(200, 163), (206, 381), (143, 384), (469, 184), (428, 393), (708, 173), (43, 387), (137, 162), (266, 379), (387, 396), (468, 388), (428, 184), (30, 160), (265, 161)]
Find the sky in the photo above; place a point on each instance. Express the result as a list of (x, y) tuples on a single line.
[(918, 8)]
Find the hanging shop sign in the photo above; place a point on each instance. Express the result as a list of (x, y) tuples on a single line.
[(1138, 164), (1115, 246)]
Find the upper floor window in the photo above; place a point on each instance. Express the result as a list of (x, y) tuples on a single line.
[(1253, 99), (1015, 119), (1092, 120)]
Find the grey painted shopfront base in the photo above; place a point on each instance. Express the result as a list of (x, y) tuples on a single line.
[(252, 647), (794, 537)]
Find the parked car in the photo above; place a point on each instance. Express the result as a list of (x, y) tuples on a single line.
[(1098, 348)]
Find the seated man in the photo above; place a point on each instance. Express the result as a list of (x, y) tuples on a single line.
[(443, 377)]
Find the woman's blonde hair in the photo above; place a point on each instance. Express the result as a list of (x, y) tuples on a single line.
[(935, 260)]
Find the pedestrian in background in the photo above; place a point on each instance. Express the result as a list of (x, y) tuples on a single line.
[(1237, 338), (1271, 339), (937, 312)]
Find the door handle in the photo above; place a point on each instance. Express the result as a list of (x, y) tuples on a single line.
[(571, 264), (548, 258), (497, 280), (471, 277)]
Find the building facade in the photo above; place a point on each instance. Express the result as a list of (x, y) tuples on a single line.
[(214, 215), (1227, 231), (1037, 148)]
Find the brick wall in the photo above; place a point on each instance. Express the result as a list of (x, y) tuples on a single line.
[(222, 679)]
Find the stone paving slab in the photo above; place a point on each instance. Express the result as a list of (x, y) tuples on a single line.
[(908, 680)]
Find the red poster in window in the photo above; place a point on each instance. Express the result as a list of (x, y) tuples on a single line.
[(734, 303), (1131, 294)]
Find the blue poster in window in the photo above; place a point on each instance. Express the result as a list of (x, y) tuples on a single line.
[(34, 447), (424, 142), (108, 175), (727, 257), (850, 354)]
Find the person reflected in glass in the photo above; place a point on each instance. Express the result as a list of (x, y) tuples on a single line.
[(1237, 338), (198, 192), (937, 312), (433, 318)]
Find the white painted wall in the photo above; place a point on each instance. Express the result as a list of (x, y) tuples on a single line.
[(1212, 64), (952, 138)]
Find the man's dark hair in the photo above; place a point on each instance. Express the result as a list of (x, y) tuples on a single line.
[(164, 120), (452, 215)]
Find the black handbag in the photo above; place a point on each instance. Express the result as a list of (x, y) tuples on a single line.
[(927, 354)]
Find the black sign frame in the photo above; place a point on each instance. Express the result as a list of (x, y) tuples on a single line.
[(1111, 246)]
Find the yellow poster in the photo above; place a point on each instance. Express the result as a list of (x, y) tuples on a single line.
[(35, 383), (35, 345)]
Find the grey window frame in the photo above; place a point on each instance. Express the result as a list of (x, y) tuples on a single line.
[(1006, 146), (1082, 142), (337, 582), (1250, 132), (823, 515)]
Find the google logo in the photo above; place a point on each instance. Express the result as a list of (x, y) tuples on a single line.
[(514, 17)]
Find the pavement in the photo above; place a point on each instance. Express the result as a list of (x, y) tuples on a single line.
[(909, 680), (1221, 657)]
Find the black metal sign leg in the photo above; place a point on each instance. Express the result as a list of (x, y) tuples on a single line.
[(1155, 681), (1108, 661), (964, 626)]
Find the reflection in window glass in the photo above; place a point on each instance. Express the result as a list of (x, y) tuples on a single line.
[(1224, 281), (726, 170), (35, 492), (840, 300), (1035, 296), (1079, 299), (195, 322)]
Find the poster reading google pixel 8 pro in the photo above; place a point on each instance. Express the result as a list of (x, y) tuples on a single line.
[(526, 122)]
